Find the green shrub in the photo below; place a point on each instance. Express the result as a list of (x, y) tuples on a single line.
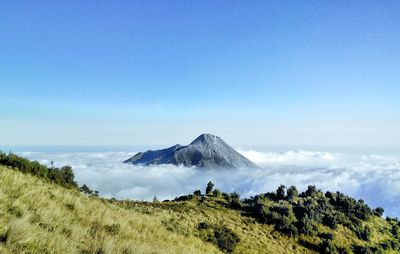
[(63, 176), (327, 247), (330, 220), (292, 192), (307, 226), (311, 191), (281, 192), (226, 239), (378, 211), (203, 225), (365, 233), (217, 193), (234, 201)]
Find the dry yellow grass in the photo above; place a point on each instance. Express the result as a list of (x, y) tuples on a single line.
[(43, 218), (39, 217)]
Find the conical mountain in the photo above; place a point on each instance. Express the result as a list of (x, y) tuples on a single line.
[(206, 151)]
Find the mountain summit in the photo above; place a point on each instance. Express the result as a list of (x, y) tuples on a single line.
[(206, 151)]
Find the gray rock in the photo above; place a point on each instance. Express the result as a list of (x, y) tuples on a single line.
[(206, 151)]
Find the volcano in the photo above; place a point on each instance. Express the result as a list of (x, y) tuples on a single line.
[(206, 151)]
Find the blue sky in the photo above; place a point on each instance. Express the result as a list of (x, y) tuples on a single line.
[(161, 72)]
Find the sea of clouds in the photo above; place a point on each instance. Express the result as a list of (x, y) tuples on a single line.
[(374, 178)]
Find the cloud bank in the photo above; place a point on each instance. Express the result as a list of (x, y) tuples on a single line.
[(374, 178)]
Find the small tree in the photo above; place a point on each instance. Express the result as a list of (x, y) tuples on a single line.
[(209, 188), (311, 191), (67, 176), (280, 192), (292, 192), (197, 193), (379, 211), (86, 190)]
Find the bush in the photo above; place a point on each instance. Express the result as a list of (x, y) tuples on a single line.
[(362, 211), (378, 211), (365, 234), (311, 191), (307, 226), (285, 225), (64, 176), (330, 221), (280, 192), (234, 201), (292, 192), (203, 225), (226, 239), (226, 196), (217, 193), (327, 247), (223, 237), (261, 212)]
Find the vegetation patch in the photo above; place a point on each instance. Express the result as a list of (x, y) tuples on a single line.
[(63, 176), (221, 236), (38, 216)]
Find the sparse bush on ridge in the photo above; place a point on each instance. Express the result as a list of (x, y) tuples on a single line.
[(217, 193), (63, 176), (197, 193)]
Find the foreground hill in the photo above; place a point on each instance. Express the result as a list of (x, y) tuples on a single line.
[(206, 151), (39, 214), (40, 217)]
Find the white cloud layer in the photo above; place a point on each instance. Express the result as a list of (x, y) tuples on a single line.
[(374, 178)]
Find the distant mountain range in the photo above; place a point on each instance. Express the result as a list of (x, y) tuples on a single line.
[(206, 151)]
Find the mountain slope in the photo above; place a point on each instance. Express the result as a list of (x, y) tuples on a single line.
[(206, 151), (39, 217), (43, 215)]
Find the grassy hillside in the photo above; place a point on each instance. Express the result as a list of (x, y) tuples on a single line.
[(41, 215)]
